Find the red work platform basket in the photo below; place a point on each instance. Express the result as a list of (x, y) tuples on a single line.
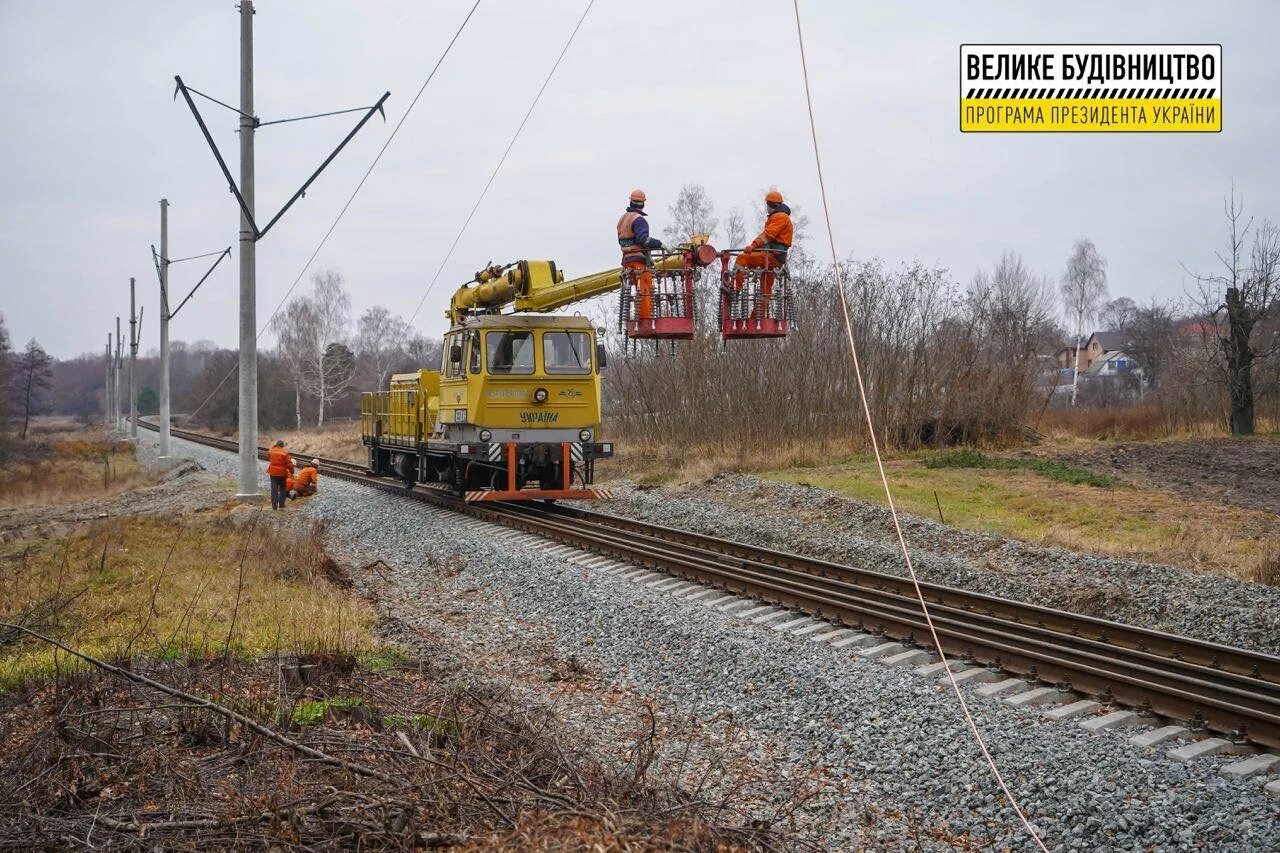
[(656, 303), (755, 303)]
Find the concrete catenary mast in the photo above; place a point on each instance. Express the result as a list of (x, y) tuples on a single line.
[(163, 268), (248, 487), (133, 360)]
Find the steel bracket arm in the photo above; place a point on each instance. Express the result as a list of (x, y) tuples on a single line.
[(244, 208), (224, 254), (376, 108)]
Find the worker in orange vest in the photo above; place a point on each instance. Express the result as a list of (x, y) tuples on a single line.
[(279, 468), (769, 250), (306, 481), (635, 242)]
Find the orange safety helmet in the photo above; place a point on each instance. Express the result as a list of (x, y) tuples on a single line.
[(773, 197), (637, 197)]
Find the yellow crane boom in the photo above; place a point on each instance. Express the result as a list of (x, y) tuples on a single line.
[(536, 286)]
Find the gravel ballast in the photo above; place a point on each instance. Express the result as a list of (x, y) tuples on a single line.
[(820, 523), (893, 746)]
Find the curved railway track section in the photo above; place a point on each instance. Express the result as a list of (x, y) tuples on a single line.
[(1234, 692)]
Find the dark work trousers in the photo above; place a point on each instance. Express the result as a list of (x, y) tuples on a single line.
[(279, 493)]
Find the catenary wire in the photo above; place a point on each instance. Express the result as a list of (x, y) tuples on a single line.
[(350, 199), (501, 160), (875, 447)]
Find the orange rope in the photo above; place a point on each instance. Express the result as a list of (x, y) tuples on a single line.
[(875, 446)]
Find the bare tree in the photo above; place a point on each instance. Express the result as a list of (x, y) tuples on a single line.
[(330, 377), (32, 378), (294, 328), (1118, 314), (1241, 329), (6, 369), (381, 339), (308, 330), (735, 229), (690, 214), (1084, 286)]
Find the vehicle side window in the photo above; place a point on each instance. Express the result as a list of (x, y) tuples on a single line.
[(452, 369), (475, 351), (510, 352), (566, 352)]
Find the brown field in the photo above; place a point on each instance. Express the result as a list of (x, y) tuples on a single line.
[(62, 462), (1205, 504)]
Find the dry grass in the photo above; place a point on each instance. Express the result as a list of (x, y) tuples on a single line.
[(1151, 525), (339, 440), (58, 464), (1141, 422), (173, 589), (653, 463)]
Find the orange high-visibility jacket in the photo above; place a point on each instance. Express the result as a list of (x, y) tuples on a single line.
[(279, 462), (308, 476), (778, 232)]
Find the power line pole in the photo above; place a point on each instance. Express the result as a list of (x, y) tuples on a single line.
[(133, 360), (248, 268), (163, 268), (163, 262), (106, 390), (250, 233), (115, 381)]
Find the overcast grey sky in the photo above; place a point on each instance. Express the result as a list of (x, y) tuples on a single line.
[(653, 95)]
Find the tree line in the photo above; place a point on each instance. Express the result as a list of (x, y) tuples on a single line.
[(322, 360), (943, 361), (946, 362)]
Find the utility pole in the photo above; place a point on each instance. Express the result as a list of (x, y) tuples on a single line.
[(250, 232), (115, 381), (248, 268), (133, 361), (163, 262), (163, 269), (106, 390)]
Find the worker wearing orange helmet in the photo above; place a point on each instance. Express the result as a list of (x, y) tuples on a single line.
[(304, 483), (279, 469), (636, 244), (769, 250)]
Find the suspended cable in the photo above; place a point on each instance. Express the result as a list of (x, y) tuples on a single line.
[(501, 160), (875, 447), (343, 211)]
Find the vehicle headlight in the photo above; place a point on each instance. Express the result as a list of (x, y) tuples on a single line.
[(584, 434), (485, 435), (540, 395)]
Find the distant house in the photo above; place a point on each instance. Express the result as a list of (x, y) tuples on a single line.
[(1093, 349), (1114, 363)]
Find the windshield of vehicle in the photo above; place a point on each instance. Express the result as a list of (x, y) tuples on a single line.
[(510, 352), (566, 352)]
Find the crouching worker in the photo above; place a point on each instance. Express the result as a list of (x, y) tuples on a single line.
[(304, 483)]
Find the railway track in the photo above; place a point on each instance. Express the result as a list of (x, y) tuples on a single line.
[(1230, 691)]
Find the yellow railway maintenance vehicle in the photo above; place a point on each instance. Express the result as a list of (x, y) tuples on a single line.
[(514, 411)]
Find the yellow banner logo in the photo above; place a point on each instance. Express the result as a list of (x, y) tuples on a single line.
[(1056, 88)]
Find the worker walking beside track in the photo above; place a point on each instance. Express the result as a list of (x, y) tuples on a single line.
[(769, 250), (279, 469), (635, 242), (306, 481)]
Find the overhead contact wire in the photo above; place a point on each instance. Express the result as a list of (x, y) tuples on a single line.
[(501, 160), (343, 211), (875, 447)]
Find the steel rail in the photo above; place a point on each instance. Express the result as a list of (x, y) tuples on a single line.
[(1228, 690)]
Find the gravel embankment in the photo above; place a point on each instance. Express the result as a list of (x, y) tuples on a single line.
[(893, 746), (820, 523)]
